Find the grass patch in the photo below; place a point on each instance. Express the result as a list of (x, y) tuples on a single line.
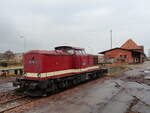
[(115, 70)]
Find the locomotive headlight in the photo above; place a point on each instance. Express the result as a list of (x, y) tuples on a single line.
[(32, 60), (25, 74), (39, 75)]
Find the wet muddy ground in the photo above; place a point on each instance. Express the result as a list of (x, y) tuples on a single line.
[(129, 93), (8, 78), (6, 87)]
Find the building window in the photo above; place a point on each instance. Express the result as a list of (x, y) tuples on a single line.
[(125, 56)]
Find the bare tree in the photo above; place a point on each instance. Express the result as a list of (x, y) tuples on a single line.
[(9, 55)]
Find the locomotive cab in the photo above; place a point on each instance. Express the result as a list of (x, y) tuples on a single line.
[(80, 58)]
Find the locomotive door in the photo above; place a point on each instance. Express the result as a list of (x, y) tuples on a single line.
[(80, 60), (83, 61), (77, 61)]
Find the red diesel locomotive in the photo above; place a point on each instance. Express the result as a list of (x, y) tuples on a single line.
[(48, 71)]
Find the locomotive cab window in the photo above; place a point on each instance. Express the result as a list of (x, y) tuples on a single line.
[(79, 52), (70, 51), (83, 52)]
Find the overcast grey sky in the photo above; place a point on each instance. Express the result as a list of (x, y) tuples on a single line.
[(84, 23)]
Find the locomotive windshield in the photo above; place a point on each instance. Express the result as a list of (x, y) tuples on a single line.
[(80, 52), (69, 51)]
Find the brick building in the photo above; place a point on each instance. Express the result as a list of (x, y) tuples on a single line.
[(129, 52)]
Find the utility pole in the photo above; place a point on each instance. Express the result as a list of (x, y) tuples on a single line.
[(110, 39)]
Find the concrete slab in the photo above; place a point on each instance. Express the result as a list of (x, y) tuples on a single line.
[(141, 107)]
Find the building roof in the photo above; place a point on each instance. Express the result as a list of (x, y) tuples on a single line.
[(130, 44), (103, 52)]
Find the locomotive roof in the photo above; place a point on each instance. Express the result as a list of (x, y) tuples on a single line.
[(47, 52), (54, 52), (68, 47)]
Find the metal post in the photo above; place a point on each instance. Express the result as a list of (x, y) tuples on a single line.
[(110, 39)]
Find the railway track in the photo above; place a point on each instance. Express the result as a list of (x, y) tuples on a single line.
[(13, 103), (6, 101), (6, 96)]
